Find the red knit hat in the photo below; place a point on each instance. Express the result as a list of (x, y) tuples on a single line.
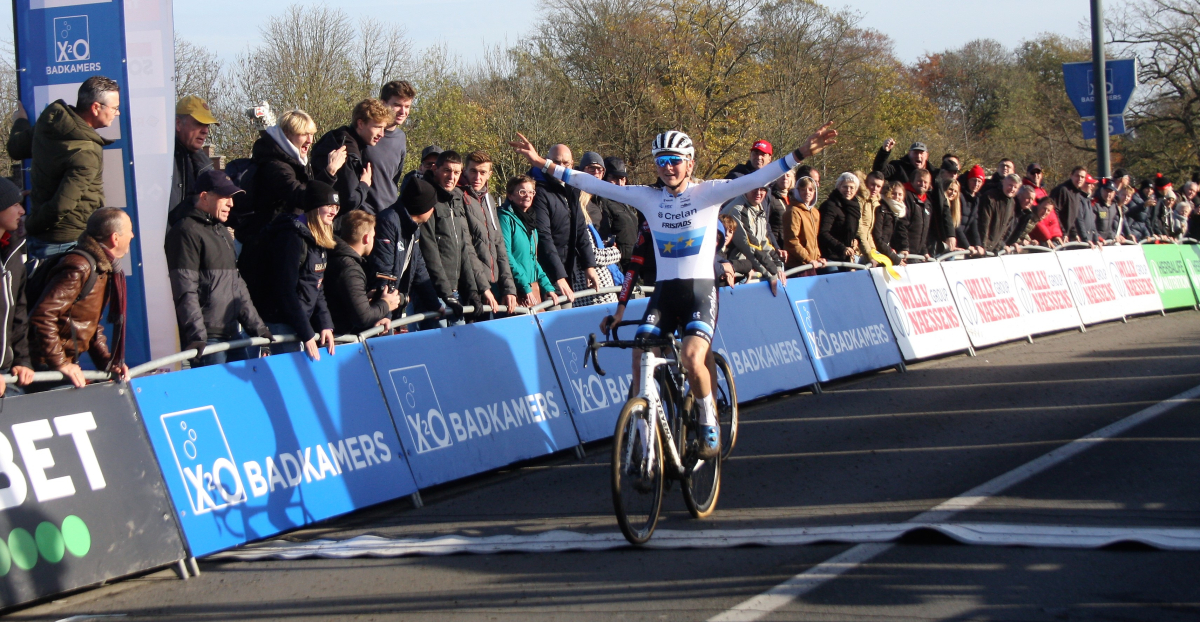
[(1161, 182), (976, 172)]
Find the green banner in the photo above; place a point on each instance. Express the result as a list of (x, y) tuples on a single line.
[(1172, 276)]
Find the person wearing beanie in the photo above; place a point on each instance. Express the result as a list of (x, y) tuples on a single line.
[(396, 260), (299, 245), (967, 232), (14, 352)]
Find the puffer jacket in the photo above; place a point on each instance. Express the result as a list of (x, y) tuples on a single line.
[(887, 221), (619, 220), (447, 248), (522, 244), (211, 299), (15, 347), (347, 292), (490, 254), (61, 329), (866, 224), (839, 227), (67, 175), (562, 232), (297, 267), (968, 226), (279, 182), (777, 205), (397, 256)]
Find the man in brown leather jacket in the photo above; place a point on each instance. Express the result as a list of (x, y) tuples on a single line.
[(63, 325)]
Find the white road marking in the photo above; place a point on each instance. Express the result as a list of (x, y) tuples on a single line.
[(988, 534), (781, 595)]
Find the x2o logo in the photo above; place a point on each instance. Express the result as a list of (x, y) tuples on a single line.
[(421, 408), (71, 40), (205, 462)]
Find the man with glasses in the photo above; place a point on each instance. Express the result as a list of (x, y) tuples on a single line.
[(68, 165), (681, 216), (563, 238), (192, 120)]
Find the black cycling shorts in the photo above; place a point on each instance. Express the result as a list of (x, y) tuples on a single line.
[(690, 303)]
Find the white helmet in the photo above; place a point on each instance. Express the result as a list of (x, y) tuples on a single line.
[(673, 142)]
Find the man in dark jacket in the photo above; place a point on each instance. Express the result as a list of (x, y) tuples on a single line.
[(996, 210), (967, 233), (562, 233), (14, 352), (192, 119), (212, 303), (760, 156), (1070, 199), (901, 170), (68, 166), (495, 275), (446, 241), (1004, 168), (1105, 211), (618, 219), (942, 237), (354, 178), (65, 321), (396, 260), (353, 305), (914, 235)]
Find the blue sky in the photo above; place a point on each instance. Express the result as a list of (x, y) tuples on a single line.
[(471, 26)]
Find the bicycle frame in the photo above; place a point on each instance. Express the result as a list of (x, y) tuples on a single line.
[(649, 392)]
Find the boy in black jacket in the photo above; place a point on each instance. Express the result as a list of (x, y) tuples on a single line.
[(353, 306)]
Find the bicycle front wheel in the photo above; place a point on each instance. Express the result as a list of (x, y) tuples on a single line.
[(725, 394), (637, 472)]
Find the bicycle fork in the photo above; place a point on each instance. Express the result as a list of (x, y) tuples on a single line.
[(650, 362)]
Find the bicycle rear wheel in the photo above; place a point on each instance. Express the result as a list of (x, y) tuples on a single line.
[(725, 394), (637, 483)]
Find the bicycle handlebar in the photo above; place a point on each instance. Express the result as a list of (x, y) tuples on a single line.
[(592, 348)]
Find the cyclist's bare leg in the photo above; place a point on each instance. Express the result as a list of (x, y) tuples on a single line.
[(695, 357)]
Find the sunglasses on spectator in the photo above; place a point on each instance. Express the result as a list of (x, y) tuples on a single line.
[(668, 160)]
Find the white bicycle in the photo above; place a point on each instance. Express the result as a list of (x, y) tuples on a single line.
[(657, 436)]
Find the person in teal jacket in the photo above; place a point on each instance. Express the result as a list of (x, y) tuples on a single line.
[(518, 223)]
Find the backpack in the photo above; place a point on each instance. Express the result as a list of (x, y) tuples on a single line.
[(39, 277)]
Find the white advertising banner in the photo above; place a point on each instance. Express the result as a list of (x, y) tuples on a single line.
[(986, 301), (1042, 292), (1091, 285), (1130, 274), (921, 311)]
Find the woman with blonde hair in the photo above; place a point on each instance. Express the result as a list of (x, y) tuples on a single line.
[(282, 170), (869, 197)]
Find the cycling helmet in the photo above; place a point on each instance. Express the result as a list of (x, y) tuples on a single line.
[(673, 142)]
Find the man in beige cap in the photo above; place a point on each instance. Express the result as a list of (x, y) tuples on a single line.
[(192, 118)]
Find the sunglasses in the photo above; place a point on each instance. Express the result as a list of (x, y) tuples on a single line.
[(668, 160)]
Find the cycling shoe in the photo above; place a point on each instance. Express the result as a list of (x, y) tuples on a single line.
[(710, 442)]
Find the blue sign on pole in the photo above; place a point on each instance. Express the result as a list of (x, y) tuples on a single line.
[(258, 447), (843, 323), (1116, 127), (1121, 79), (472, 398), (59, 44)]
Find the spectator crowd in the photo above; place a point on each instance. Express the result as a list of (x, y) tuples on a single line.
[(318, 234)]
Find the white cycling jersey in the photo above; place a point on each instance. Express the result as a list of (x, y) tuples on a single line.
[(684, 226)]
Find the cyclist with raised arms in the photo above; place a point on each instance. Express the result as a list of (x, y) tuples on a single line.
[(682, 217)]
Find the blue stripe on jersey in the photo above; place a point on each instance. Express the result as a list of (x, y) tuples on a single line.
[(682, 245), (566, 174), (700, 326), (648, 329)]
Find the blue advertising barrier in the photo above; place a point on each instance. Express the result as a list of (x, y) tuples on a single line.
[(472, 398), (843, 323), (255, 448), (594, 400), (757, 334)]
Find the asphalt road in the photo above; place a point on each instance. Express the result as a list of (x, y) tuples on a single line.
[(879, 449)]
